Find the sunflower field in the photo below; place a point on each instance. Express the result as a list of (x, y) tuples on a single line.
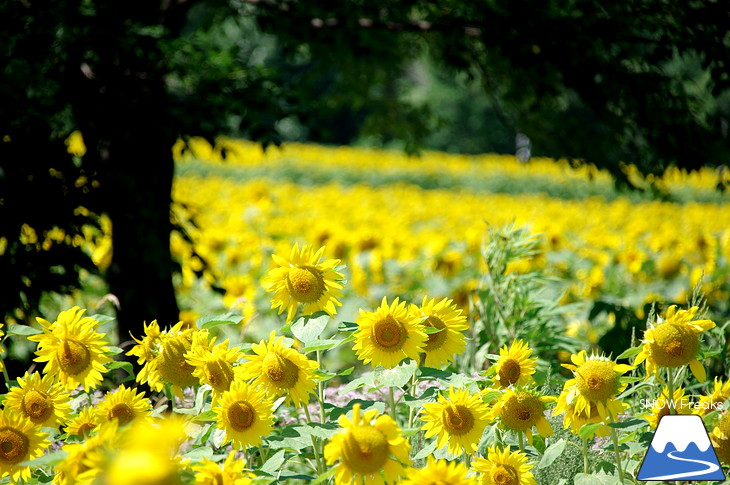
[(359, 316)]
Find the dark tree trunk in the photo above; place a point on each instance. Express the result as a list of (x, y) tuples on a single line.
[(123, 112)]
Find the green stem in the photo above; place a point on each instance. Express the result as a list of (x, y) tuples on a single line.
[(320, 392), (315, 445), (521, 440), (411, 412), (391, 402), (670, 391), (585, 455), (614, 438)]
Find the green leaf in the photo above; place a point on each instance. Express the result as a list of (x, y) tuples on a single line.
[(308, 329), (588, 430), (347, 327), (205, 416), (552, 453), (101, 318), (427, 451), (346, 372), (50, 459), (599, 478), (326, 344), (319, 430), (628, 353), (324, 477), (114, 350), (197, 454), (366, 380), (397, 376), (24, 330), (431, 373), (432, 330), (630, 424), (127, 366), (274, 463), (209, 321)]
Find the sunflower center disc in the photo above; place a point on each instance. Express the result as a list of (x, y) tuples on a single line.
[(13, 446), (172, 365), (389, 334), (122, 412), (435, 340), (305, 284), (37, 406), (219, 374), (73, 357), (241, 415), (457, 419), (674, 345), (520, 411), (365, 450), (509, 373), (596, 380), (505, 475), (280, 370), (86, 429)]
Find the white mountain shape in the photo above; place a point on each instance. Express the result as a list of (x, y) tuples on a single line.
[(680, 430)]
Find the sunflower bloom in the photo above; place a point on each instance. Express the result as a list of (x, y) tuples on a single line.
[(720, 437), (368, 453), (514, 367), (388, 335), (502, 467), (446, 317), (40, 399), (715, 400), (163, 356), (84, 423), (663, 405), (231, 473), (20, 440), (596, 380), (244, 413), (520, 410), (213, 364), (124, 406), (675, 342), (459, 421), (83, 462), (440, 471), (574, 419), (304, 278), (281, 370), (73, 350)]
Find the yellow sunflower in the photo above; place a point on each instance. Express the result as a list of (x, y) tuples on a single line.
[(388, 335), (280, 370), (440, 472), (124, 406), (576, 419), (83, 462), (459, 421), (368, 453), (163, 356), (303, 278), (663, 405), (715, 400), (446, 317), (522, 409), (74, 352), (245, 414), (720, 437), (84, 423), (596, 380), (674, 342), (20, 440), (231, 473), (41, 400), (213, 364), (514, 367), (503, 467)]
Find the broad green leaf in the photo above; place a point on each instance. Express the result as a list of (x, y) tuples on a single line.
[(432, 330), (197, 454), (319, 430), (347, 327), (427, 451), (628, 353), (588, 430), (209, 321), (274, 463), (630, 424), (50, 459), (205, 416), (552, 453), (599, 478), (24, 330), (397, 376), (325, 344), (307, 329), (101, 318)]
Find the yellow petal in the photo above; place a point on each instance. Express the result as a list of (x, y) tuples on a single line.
[(698, 370)]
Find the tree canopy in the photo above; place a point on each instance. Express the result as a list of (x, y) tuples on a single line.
[(642, 82)]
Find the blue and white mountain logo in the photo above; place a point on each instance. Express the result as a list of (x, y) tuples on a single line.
[(680, 450)]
